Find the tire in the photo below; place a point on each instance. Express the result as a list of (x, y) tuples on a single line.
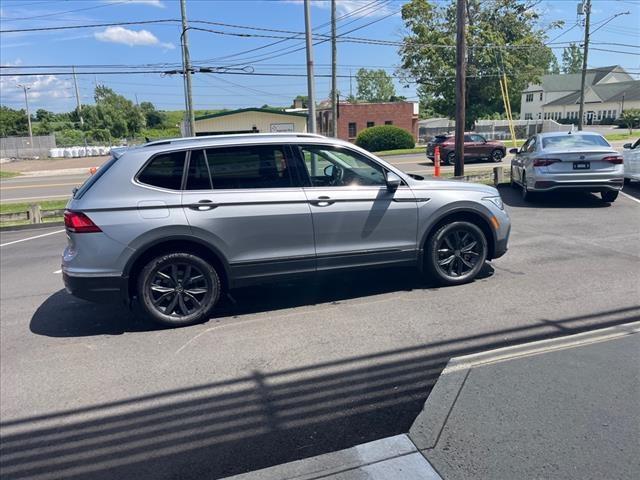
[(187, 305), (512, 182), (526, 195), (627, 181), (609, 196), (468, 247), (449, 159), (497, 155)]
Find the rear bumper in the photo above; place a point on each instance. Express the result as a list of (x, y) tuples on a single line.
[(97, 289), (588, 185)]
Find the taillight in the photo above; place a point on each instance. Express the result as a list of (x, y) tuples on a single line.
[(77, 222), (615, 159), (544, 162)]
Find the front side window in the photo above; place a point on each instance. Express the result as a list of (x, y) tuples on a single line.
[(255, 166), (198, 177), (164, 171), (532, 145), (336, 167)]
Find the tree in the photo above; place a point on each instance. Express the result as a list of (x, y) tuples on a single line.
[(630, 118), (502, 36), (554, 67), (153, 118), (374, 86), (43, 115), (572, 57), (112, 112), (13, 122)]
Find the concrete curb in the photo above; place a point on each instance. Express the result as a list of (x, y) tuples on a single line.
[(428, 425), (56, 173)]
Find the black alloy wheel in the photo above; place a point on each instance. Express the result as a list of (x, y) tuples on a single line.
[(178, 289), (456, 252), (497, 155), (450, 158)]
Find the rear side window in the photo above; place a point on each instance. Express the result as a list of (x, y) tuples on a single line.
[(95, 177), (257, 166), (198, 177), (164, 171)]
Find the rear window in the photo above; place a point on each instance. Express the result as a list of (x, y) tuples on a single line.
[(439, 139), (574, 141), (84, 188), (164, 171)]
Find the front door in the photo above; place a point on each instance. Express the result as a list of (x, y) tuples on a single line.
[(248, 202), (356, 219)]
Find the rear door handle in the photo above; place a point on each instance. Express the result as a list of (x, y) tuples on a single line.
[(203, 205), (322, 201)]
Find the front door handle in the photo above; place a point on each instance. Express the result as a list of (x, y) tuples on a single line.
[(203, 205), (322, 201)]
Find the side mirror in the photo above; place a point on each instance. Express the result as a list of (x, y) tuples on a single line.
[(328, 170), (393, 181), (628, 146), (514, 151)]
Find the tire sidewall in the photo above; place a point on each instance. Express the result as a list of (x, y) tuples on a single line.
[(431, 255), (450, 159), (497, 150), (146, 276)]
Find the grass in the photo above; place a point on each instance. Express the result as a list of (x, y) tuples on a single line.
[(401, 151), (24, 206), (4, 174), (622, 136)]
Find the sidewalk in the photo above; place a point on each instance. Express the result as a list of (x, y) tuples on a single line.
[(564, 408)]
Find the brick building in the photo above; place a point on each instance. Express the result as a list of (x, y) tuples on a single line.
[(355, 117)]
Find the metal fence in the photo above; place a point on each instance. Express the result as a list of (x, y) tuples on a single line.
[(496, 129), (21, 147)]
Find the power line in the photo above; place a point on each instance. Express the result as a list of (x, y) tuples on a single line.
[(93, 25), (53, 14)]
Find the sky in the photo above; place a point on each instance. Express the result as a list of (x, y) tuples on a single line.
[(127, 47)]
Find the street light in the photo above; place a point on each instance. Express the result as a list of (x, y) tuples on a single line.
[(26, 101)]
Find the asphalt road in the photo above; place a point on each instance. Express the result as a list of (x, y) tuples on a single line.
[(285, 371), (59, 186)]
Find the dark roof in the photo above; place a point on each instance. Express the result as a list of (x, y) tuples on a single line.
[(606, 92), (568, 82), (242, 110)]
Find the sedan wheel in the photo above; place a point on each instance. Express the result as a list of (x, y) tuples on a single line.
[(178, 289), (456, 253)]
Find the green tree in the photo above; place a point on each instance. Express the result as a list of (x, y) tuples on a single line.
[(43, 115), (153, 118), (631, 119), (554, 67), (13, 122), (572, 57), (502, 35), (374, 86), (112, 112)]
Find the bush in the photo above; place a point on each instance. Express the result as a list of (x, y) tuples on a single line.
[(385, 137), (69, 138), (100, 135)]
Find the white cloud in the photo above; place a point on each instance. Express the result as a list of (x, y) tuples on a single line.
[(43, 89), (131, 37), (151, 3)]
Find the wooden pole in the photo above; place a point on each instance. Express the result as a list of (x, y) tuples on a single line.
[(461, 67)]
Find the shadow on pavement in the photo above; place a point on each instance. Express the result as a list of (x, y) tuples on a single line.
[(62, 315), (555, 199), (633, 189), (261, 419)]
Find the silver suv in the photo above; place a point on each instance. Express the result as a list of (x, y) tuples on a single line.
[(174, 223)]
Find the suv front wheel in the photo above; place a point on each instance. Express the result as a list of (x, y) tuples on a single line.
[(178, 289), (456, 253)]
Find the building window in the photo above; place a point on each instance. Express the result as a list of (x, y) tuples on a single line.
[(615, 114), (388, 122), (540, 96), (353, 130), (371, 124), (529, 97), (599, 114), (528, 116)]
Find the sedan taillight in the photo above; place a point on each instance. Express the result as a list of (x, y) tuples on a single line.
[(615, 159), (77, 222), (544, 162)]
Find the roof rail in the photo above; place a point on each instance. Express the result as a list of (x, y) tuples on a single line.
[(201, 138)]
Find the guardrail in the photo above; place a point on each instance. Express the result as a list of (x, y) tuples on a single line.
[(35, 214)]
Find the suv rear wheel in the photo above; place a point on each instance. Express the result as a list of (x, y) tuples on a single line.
[(178, 289), (456, 253)]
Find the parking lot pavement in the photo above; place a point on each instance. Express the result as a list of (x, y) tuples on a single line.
[(286, 371)]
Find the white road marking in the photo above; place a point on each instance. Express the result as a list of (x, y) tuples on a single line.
[(57, 271), (31, 238), (630, 197)]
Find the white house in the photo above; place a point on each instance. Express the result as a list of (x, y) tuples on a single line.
[(609, 90)]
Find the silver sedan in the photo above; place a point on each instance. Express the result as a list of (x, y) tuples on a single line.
[(568, 160)]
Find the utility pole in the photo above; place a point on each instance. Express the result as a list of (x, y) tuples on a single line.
[(26, 102), (186, 67), (78, 104), (461, 68), (587, 12), (334, 62), (311, 119)]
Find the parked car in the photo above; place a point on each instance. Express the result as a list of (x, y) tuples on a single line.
[(173, 224), (567, 160), (476, 147), (631, 156)]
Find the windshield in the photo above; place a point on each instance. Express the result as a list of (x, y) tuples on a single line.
[(574, 141)]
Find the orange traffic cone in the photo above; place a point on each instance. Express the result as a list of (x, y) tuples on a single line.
[(436, 161)]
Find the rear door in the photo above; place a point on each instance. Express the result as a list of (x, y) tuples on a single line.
[(356, 219), (248, 201)]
